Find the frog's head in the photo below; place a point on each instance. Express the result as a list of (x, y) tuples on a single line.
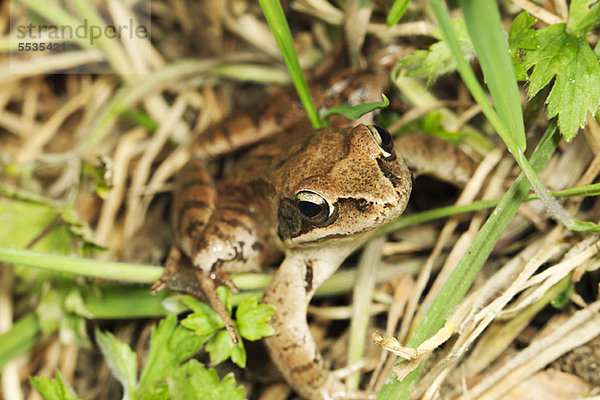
[(342, 184)]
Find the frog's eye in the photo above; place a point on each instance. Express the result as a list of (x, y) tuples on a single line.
[(383, 139), (313, 206)]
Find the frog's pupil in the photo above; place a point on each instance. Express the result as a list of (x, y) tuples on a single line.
[(309, 209)]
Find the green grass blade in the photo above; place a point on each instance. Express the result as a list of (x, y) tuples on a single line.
[(81, 266), (468, 76), (19, 338), (465, 272), (281, 30), (396, 12), (482, 19)]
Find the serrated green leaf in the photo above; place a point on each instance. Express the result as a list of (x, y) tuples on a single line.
[(226, 297), (356, 111), (228, 390), (22, 221), (520, 36), (252, 318), (170, 344), (121, 361), (238, 355), (576, 90), (583, 16), (219, 347), (160, 392), (195, 382), (438, 60), (203, 320), (53, 389)]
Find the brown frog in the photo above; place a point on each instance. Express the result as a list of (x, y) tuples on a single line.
[(313, 196)]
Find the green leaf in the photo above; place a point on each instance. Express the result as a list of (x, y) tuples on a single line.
[(226, 297), (356, 111), (53, 389), (170, 344), (520, 36), (583, 16), (238, 355), (484, 25), (438, 60), (562, 299), (22, 221), (98, 173), (140, 118), (121, 361), (396, 12), (50, 311), (195, 382), (21, 337), (283, 36), (220, 347), (203, 320), (252, 319), (576, 90)]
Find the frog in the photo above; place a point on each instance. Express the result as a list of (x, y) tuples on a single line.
[(301, 197)]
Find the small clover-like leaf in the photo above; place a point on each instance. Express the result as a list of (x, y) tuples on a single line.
[(219, 347), (170, 344), (520, 36), (252, 319), (121, 360), (438, 60), (195, 382), (226, 297), (203, 320), (53, 389)]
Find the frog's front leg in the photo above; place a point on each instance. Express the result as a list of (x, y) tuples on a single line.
[(292, 348)]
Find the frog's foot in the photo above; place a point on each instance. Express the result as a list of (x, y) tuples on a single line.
[(172, 267), (176, 276), (209, 287)]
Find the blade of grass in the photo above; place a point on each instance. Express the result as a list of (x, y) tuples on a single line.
[(362, 297), (81, 266), (396, 12), (56, 15), (443, 212), (482, 19), (112, 48), (281, 31), (19, 338), (465, 272)]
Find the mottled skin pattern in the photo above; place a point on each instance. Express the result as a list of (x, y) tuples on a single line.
[(257, 212)]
